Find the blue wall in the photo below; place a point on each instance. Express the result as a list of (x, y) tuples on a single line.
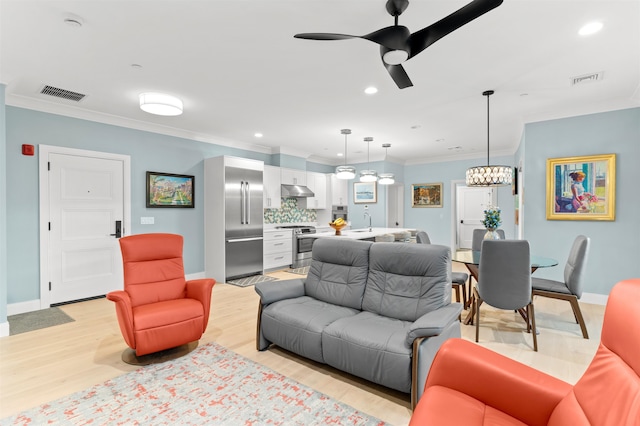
[(3, 211), (615, 245)]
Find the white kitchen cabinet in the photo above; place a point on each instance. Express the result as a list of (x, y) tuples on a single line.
[(271, 183), (278, 248), (317, 183), (339, 191), (293, 176)]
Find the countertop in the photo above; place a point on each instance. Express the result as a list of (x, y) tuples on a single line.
[(358, 234)]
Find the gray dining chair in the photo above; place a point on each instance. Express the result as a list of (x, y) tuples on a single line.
[(478, 237), (505, 281), (458, 279), (571, 288), (476, 245)]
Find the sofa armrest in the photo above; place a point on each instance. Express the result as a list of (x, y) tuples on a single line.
[(432, 323), (200, 290), (279, 290), (494, 380)]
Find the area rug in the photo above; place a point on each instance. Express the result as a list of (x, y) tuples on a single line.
[(300, 271), (35, 320), (247, 281), (210, 386)]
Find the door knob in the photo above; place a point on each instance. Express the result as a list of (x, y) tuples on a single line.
[(118, 233)]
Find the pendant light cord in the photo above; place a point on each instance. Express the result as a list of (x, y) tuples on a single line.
[(487, 94)]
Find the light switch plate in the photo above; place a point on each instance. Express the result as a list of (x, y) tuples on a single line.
[(147, 220)]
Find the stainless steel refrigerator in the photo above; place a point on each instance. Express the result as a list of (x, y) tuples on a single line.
[(243, 222), (233, 217)]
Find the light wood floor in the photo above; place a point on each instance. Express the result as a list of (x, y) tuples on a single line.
[(43, 365)]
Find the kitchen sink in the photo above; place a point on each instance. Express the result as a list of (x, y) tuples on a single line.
[(359, 230)]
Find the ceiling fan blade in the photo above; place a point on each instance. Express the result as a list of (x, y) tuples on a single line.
[(424, 38), (399, 75), (393, 38), (324, 36)]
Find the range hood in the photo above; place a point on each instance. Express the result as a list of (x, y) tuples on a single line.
[(296, 191)]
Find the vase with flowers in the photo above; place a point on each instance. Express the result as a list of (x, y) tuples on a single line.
[(492, 222)]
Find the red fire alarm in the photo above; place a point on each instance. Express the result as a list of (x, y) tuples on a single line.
[(28, 150)]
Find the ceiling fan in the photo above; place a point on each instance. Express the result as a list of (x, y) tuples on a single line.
[(398, 45)]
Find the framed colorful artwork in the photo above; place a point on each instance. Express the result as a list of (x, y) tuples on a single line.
[(365, 192), (426, 194), (581, 188), (170, 190)]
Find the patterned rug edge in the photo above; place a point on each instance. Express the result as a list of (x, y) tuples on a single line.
[(156, 394), (252, 280)]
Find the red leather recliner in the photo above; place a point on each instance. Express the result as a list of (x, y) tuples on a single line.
[(158, 309), (493, 389)]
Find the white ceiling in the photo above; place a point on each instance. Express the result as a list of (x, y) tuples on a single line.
[(238, 70)]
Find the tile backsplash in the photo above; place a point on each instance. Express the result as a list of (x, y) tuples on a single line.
[(289, 212)]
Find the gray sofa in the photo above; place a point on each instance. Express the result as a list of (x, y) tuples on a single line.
[(379, 311)]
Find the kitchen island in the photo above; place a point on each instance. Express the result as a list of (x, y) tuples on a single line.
[(360, 234)]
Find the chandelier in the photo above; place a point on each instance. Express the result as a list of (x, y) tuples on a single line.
[(489, 175)]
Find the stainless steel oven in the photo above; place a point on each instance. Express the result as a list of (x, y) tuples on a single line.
[(302, 243), (340, 212)]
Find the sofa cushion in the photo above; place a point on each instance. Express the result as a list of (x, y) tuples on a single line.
[(297, 324), (406, 281), (372, 347), (338, 272)]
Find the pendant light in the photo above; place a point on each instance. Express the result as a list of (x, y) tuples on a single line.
[(345, 172), (368, 175), (386, 178), (489, 175)]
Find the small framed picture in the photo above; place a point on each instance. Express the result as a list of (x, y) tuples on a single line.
[(581, 188), (426, 194), (365, 192), (170, 190)]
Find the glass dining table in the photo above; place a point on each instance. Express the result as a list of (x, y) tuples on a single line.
[(471, 260)]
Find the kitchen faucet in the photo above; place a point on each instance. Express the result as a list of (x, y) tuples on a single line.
[(365, 216)]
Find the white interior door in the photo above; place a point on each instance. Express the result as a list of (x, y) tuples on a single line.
[(86, 198), (471, 205), (395, 205)]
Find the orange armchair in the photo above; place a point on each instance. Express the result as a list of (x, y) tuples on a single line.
[(158, 309), (493, 389)]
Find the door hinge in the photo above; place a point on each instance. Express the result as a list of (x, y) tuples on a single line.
[(49, 285), (48, 165), (49, 226)]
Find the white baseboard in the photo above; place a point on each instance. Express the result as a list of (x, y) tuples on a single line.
[(4, 329), (594, 298), (22, 307)]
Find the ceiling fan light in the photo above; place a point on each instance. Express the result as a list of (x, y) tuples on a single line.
[(345, 172), (368, 176), (395, 57), (386, 179), (160, 104)]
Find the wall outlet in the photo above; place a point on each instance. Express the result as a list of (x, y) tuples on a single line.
[(147, 220)]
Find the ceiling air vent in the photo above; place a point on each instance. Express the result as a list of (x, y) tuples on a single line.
[(62, 93), (587, 78)]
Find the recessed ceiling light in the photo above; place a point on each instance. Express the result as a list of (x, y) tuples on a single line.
[(160, 104), (258, 135), (340, 154), (371, 90), (136, 66), (590, 28), (416, 126)]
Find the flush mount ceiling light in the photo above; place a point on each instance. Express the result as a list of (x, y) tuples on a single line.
[(368, 175), (371, 90), (489, 175), (160, 104), (345, 172), (386, 178)]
